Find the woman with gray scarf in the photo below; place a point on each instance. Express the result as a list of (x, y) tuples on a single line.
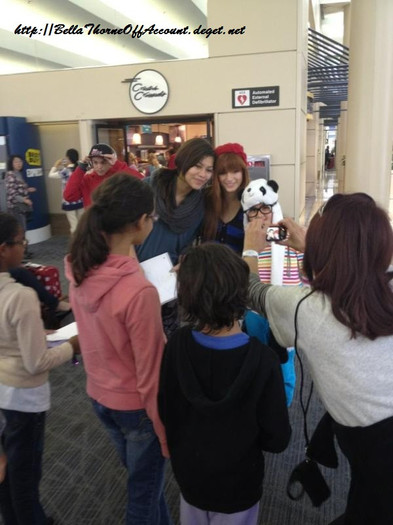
[(179, 208)]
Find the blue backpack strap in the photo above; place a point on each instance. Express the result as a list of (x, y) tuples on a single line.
[(289, 374), (257, 326)]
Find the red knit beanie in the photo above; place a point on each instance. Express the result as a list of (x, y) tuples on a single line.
[(232, 147)]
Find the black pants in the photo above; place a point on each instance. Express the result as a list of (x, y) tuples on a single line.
[(369, 451), (170, 319), (23, 442)]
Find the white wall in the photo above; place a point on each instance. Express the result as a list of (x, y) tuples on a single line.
[(270, 26), (55, 140), (272, 52)]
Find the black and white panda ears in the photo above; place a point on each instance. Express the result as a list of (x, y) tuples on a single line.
[(273, 184)]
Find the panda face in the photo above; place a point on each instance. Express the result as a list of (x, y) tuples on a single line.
[(255, 193), (259, 191)]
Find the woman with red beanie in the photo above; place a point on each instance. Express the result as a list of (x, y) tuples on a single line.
[(224, 215)]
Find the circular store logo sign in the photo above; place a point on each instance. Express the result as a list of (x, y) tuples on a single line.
[(149, 91)]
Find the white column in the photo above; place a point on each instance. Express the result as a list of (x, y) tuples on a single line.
[(370, 99), (312, 148), (315, 152), (321, 148), (86, 136), (347, 24), (341, 147)]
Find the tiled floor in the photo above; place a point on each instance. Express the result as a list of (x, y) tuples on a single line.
[(324, 190)]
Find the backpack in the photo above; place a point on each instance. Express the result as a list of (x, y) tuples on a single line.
[(257, 326)]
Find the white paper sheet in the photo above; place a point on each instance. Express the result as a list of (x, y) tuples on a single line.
[(64, 333), (158, 272)]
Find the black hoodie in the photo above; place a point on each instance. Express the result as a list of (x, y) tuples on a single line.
[(221, 409)]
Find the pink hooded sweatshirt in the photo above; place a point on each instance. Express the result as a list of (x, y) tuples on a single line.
[(118, 314)]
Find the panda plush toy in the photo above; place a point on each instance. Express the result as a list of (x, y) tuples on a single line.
[(261, 191)]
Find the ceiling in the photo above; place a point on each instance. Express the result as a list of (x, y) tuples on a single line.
[(328, 68), (80, 42), (24, 51)]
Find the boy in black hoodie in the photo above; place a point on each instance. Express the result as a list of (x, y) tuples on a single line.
[(221, 395)]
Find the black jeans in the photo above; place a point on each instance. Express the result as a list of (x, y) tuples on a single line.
[(369, 451), (23, 442)]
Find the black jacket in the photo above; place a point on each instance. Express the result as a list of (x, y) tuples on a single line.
[(221, 408)]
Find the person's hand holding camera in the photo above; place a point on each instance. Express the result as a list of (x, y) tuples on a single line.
[(296, 235), (254, 242), (255, 235)]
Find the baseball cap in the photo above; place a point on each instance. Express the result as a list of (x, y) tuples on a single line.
[(105, 151)]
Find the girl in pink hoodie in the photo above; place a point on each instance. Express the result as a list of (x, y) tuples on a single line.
[(120, 331)]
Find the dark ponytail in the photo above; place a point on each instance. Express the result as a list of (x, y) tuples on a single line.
[(117, 203), (73, 155)]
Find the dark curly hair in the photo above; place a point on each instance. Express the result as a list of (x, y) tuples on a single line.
[(212, 287)]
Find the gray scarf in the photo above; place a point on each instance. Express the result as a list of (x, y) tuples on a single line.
[(178, 218)]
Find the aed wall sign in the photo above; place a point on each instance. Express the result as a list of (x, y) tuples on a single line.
[(149, 91), (256, 97)]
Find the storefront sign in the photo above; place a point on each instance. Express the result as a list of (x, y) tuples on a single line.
[(256, 97), (148, 91)]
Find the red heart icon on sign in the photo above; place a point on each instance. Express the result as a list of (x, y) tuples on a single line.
[(241, 99)]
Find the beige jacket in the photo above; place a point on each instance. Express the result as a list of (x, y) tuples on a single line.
[(24, 357)]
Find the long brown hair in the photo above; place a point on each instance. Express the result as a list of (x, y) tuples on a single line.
[(349, 247), (214, 196), (189, 155)]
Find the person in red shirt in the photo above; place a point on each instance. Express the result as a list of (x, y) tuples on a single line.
[(100, 164)]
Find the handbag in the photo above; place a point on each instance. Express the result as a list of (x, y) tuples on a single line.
[(307, 474)]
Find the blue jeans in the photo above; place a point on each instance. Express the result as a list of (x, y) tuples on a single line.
[(23, 442), (139, 449)]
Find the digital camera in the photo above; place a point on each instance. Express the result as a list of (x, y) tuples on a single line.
[(276, 233)]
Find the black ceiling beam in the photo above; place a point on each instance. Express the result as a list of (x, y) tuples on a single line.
[(328, 68)]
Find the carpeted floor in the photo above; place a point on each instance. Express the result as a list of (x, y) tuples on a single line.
[(84, 484)]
